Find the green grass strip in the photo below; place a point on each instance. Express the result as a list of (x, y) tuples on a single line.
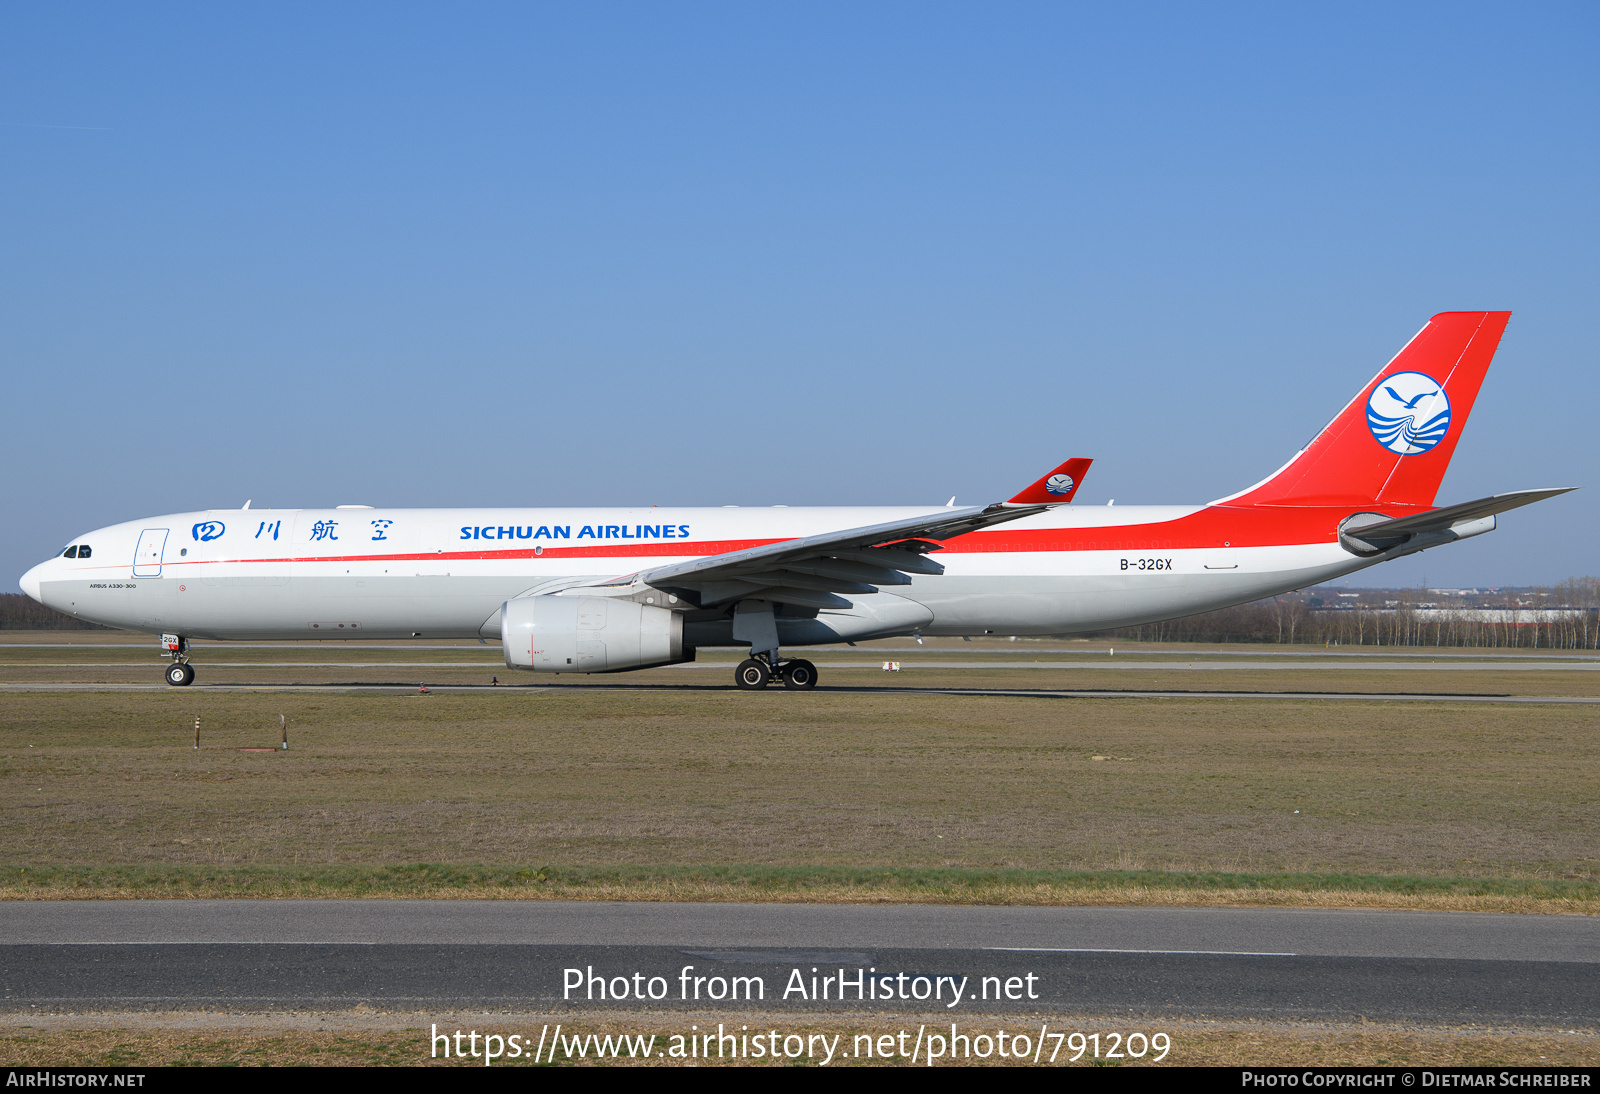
[(957, 885)]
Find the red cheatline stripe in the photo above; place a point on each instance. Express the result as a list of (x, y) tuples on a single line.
[(1212, 527)]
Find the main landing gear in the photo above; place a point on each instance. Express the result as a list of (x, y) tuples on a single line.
[(180, 674), (756, 672)]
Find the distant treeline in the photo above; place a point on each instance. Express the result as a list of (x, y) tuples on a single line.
[(1291, 618), (22, 613)]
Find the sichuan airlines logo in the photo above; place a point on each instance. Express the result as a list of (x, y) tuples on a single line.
[(1059, 484), (1408, 413), (208, 530)]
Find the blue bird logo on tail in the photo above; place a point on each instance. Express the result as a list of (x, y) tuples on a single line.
[(1409, 414), (1411, 403)]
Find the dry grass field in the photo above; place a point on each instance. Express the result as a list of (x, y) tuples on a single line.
[(670, 784), (372, 1039)]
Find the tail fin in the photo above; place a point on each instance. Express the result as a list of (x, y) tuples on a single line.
[(1392, 442), (1056, 487)]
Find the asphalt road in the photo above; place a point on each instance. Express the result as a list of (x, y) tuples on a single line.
[(275, 955)]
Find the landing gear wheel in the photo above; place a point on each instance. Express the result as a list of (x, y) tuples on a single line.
[(752, 674), (180, 674), (800, 675)]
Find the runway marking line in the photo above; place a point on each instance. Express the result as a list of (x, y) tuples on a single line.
[(1024, 693), (1210, 953)]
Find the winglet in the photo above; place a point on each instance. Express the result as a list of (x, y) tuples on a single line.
[(1057, 487)]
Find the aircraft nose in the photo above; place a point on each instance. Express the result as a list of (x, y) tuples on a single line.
[(31, 580)]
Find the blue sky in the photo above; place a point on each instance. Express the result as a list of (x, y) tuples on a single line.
[(707, 254)]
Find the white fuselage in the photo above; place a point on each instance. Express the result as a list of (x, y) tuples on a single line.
[(436, 573)]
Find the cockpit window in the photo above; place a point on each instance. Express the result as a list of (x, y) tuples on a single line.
[(83, 551), (70, 552)]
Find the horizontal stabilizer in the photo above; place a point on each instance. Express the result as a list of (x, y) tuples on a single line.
[(1372, 533), (1437, 520)]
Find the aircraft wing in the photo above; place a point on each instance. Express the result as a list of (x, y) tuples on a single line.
[(810, 572)]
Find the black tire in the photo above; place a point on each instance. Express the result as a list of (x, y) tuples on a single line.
[(800, 675), (180, 675), (751, 675)]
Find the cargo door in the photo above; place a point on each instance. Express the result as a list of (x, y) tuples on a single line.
[(147, 555)]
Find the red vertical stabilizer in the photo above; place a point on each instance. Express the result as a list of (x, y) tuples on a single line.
[(1056, 487), (1391, 444)]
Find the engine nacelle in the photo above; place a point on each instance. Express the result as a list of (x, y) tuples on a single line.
[(588, 634)]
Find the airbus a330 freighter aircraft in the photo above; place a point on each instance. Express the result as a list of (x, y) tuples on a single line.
[(605, 590)]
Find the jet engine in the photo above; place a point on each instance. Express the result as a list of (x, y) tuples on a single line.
[(551, 633)]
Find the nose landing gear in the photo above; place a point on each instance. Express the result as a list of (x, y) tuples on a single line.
[(180, 674)]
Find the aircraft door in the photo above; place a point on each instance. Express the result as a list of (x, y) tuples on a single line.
[(147, 556)]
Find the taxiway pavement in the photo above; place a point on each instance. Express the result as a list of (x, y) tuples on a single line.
[(276, 955)]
